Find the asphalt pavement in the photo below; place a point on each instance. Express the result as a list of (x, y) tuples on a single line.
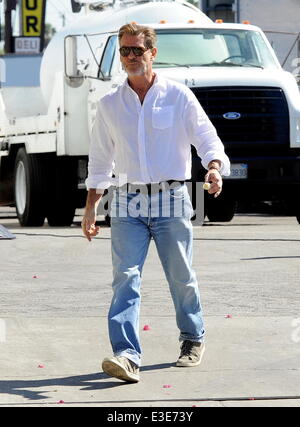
[(55, 293)]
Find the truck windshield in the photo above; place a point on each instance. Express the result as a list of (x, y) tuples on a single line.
[(212, 47)]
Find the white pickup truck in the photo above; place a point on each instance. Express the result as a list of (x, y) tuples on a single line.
[(231, 68)]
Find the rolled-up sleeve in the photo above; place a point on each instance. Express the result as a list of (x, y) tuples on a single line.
[(101, 155), (203, 135)]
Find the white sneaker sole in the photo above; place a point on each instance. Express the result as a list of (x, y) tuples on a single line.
[(114, 368), (182, 364)]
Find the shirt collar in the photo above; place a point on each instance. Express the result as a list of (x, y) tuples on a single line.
[(157, 81)]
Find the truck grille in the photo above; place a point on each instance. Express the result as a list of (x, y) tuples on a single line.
[(264, 114)]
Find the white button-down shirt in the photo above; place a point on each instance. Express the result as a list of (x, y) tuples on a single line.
[(150, 142)]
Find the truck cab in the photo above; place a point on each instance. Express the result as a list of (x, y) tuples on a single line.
[(253, 103)]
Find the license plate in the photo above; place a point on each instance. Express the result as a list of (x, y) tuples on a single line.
[(238, 171)]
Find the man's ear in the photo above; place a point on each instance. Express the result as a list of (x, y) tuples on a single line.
[(154, 53)]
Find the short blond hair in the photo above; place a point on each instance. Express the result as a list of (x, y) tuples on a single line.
[(135, 30)]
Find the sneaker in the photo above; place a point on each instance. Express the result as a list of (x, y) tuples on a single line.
[(122, 368), (191, 353)]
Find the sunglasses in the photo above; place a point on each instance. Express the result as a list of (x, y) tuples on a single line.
[(137, 51)]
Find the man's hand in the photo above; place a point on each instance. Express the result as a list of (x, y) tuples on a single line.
[(88, 223), (214, 177)]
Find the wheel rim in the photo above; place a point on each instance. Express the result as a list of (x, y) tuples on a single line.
[(20, 188)]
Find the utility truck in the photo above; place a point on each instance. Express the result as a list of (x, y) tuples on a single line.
[(231, 68)]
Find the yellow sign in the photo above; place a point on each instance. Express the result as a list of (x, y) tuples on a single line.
[(33, 16)]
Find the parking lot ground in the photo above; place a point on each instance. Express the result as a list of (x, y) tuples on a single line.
[(55, 293)]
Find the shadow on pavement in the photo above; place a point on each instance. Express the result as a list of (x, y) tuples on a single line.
[(89, 382)]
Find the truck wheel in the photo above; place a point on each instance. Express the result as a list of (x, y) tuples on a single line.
[(220, 209), (107, 220), (29, 189), (298, 213), (62, 186)]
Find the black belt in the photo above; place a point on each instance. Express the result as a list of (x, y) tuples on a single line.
[(152, 188)]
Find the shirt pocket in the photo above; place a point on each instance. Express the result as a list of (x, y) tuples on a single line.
[(162, 117)]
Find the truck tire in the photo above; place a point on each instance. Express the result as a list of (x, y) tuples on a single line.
[(298, 212), (107, 220), (29, 189), (62, 187), (220, 209)]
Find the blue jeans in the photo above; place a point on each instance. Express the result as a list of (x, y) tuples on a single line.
[(136, 218)]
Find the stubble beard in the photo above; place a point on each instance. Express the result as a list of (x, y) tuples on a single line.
[(140, 70)]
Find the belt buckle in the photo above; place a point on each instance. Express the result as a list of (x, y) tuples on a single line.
[(155, 187), (132, 188), (138, 188)]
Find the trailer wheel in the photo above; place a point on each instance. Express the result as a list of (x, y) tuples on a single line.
[(220, 209), (29, 189), (62, 186)]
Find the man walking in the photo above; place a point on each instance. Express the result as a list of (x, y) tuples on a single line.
[(143, 131)]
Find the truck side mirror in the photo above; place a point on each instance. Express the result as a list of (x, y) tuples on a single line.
[(73, 74), (71, 69)]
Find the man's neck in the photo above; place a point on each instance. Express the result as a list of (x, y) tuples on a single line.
[(141, 84)]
